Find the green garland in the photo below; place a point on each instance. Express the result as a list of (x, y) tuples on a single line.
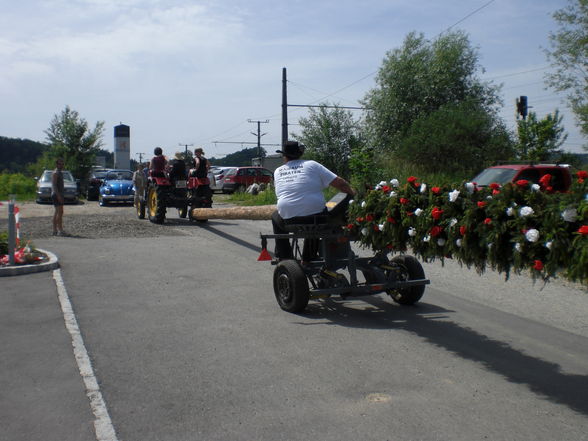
[(512, 228)]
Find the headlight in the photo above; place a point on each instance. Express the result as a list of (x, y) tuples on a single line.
[(107, 190)]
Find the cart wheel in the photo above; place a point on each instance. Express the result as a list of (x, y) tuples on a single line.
[(140, 207), (410, 269), (183, 212), (291, 286)]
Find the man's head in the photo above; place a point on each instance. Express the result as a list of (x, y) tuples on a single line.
[(59, 163), (198, 152), (157, 151), (292, 150)]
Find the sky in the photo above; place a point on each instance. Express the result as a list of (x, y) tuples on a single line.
[(182, 72)]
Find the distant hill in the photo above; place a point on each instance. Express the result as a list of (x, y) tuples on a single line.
[(16, 153), (237, 159)]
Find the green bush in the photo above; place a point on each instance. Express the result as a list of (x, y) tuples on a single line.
[(17, 184)]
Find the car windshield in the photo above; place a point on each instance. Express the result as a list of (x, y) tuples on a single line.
[(119, 175), (100, 174), (499, 175), (67, 177), (231, 172)]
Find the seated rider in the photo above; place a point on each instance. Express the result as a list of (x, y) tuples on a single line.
[(200, 164), (299, 185), (158, 163)]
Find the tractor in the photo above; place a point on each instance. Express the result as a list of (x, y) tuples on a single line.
[(174, 189)]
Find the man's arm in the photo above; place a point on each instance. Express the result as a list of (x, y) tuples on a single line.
[(55, 187), (342, 185)]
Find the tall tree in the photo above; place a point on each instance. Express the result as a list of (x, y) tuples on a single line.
[(569, 56), (330, 136), (71, 139), (430, 88), (540, 140)]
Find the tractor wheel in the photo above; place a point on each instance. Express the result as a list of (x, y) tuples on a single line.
[(140, 207), (291, 286), (156, 204), (410, 269), (183, 212)]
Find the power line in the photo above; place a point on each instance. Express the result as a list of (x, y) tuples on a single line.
[(469, 15)]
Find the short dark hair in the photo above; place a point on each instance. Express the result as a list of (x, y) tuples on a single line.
[(157, 151)]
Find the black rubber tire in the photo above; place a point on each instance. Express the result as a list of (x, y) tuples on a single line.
[(291, 286), (140, 207), (155, 205), (183, 212), (411, 270)]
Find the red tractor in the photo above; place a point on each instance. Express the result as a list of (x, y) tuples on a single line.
[(174, 188)]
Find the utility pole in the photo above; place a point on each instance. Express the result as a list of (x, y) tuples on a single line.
[(140, 157), (284, 108), (259, 135), (186, 151)]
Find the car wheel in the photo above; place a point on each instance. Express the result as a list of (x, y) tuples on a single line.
[(291, 286), (408, 268)]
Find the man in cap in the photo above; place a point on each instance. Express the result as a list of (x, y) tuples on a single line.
[(299, 185)]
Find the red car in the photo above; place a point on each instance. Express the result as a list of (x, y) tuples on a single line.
[(561, 178), (239, 178)]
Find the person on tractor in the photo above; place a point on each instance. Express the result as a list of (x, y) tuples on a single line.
[(201, 164), (158, 163), (299, 185)]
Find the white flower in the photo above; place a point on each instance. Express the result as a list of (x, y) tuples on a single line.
[(441, 241), (426, 238), (548, 244), (518, 247), (526, 211), (418, 212), (351, 201), (363, 204), (382, 183), (532, 235), (490, 245), (423, 188), (458, 243), (470, 187), (411, 232), (510, 211), (488, 197), (364, 231), (453, 222), (570, 214), (377, 187), (381, 227), (394, 182), (392, 194), (535, 187), (453, 195)]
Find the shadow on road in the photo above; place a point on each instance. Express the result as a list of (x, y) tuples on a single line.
[(432, 323)]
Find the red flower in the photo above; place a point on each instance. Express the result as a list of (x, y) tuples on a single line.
[(436, 190), (389, 246), (545, 179), (412, 180), (580, 181), (582, 174), (436, 230), (410, 213), (359, 219), (350, 226), (494, 186), (488, 221), (369, 218), (391, 219), (462, 230), (538, 265), (495, 192), (386, 189), (403, 201), (376, 228), (481, 204), (522, 182), (436, 213), (583, 230)]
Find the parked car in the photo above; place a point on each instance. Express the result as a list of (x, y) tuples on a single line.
[(70, 188), (239, 178), (219, 176), (117, 187), (95, 182), (561, 177)]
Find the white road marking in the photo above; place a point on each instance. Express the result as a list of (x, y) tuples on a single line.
[(102, 424)]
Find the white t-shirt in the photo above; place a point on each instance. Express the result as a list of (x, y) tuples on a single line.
[(299, 186)]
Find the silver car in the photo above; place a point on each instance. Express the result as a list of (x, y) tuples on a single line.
[(70, 192), (219, 176)]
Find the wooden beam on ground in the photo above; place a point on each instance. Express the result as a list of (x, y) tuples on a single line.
[(260, 212)]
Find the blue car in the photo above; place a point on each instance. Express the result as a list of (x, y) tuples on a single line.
[(117, 187)]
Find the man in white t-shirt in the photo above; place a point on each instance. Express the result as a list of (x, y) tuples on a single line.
[(299, 185)]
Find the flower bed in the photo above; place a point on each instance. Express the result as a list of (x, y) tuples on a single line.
[(516, 227)]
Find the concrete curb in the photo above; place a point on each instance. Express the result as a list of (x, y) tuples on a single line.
[(18, 270)]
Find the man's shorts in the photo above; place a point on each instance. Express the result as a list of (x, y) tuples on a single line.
[(56, 202)]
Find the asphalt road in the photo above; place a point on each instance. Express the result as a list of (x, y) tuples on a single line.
[(188, 343)]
